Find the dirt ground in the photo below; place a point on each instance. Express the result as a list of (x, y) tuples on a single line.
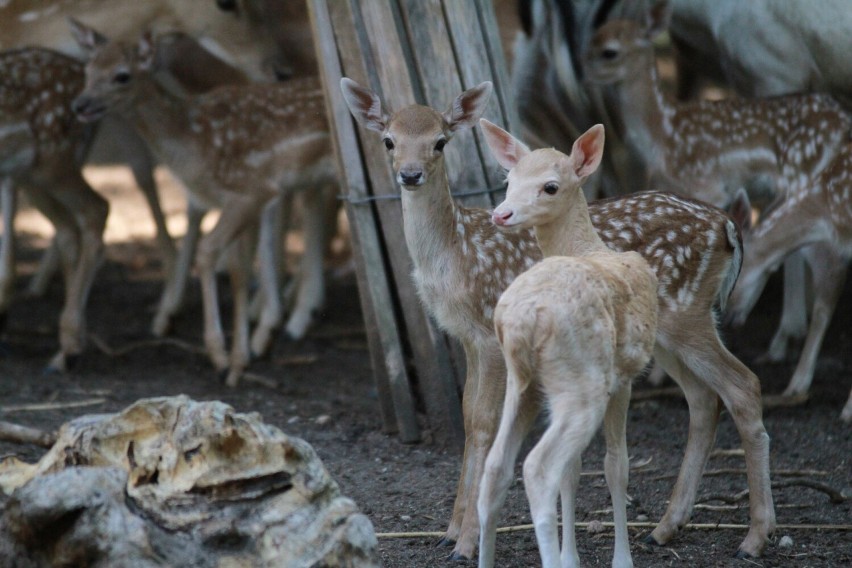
[(321, 389)]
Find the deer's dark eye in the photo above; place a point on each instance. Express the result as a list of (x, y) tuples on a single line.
[(388, 143), (439, 145), (551, 188), (121, 78), (609, 53)]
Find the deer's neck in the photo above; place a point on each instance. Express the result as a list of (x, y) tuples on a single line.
[(646, 113), (572, 234), (428, 215), (159, 115)]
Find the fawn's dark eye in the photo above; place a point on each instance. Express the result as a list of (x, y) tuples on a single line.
[(609, 53), (388, 143), (551, 188), (121, 77), (439, 145)]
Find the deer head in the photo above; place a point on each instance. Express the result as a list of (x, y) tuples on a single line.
[(543, 184), (617, 51), (112, 72), (416, 135)]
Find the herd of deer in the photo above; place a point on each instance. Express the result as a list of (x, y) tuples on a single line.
[(558, 303)]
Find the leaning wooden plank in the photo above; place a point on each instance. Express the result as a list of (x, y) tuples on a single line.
[(468, 30), (437, 70), (499, 69), (386, 352), (379, 64)]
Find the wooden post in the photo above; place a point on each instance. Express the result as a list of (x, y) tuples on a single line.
[(408, 51)]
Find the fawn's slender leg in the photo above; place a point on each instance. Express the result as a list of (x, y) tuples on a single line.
[(519, 411), (239, 267), (484, 410), (616, 470), (176, 283), (794, 312), (269, 260), (570, 431), (310, 293), (829, 272), (236, 217), (739, 390), (703, 419), (570, 483)]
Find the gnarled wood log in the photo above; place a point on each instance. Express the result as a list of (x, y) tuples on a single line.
[(173, 482)]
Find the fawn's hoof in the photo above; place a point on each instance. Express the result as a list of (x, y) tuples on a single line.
[(264, 353), (742, 555), (445, 542), (51, 370), (457, 557), (230, 377), (651, 540)]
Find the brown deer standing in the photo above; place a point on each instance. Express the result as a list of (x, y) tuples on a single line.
[(821, 214), (41, 148), (710, 149), (462, 265), (237, 149), (576, 327)]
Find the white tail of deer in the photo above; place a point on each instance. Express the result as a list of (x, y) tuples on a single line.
[(463, 264), (40, 147), (800, 222), (576, 327), (236, 148)]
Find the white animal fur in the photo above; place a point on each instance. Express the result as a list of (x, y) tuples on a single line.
[(577, 327)]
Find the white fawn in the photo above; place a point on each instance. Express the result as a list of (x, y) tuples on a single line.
[(821, 214), (237, 149), (770, 147), (41, 148), (462, 264), (575, 328)]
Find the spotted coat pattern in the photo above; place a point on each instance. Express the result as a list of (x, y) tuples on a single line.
[(36, 89), (678, 237), (710, 149)]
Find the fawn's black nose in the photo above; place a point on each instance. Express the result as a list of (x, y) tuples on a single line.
[(411, 178)]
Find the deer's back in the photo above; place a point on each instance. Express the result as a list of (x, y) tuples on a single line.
[(264, 131), (686, 243), (785, 139)]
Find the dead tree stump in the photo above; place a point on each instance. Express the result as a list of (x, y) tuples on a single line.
[(173, 482)]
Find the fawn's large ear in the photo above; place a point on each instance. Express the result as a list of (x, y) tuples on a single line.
[(587, 152), (507, 149), (657, 18), (87, 38), (364, 105), (740, 210), (146, 51), (468, 107)]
